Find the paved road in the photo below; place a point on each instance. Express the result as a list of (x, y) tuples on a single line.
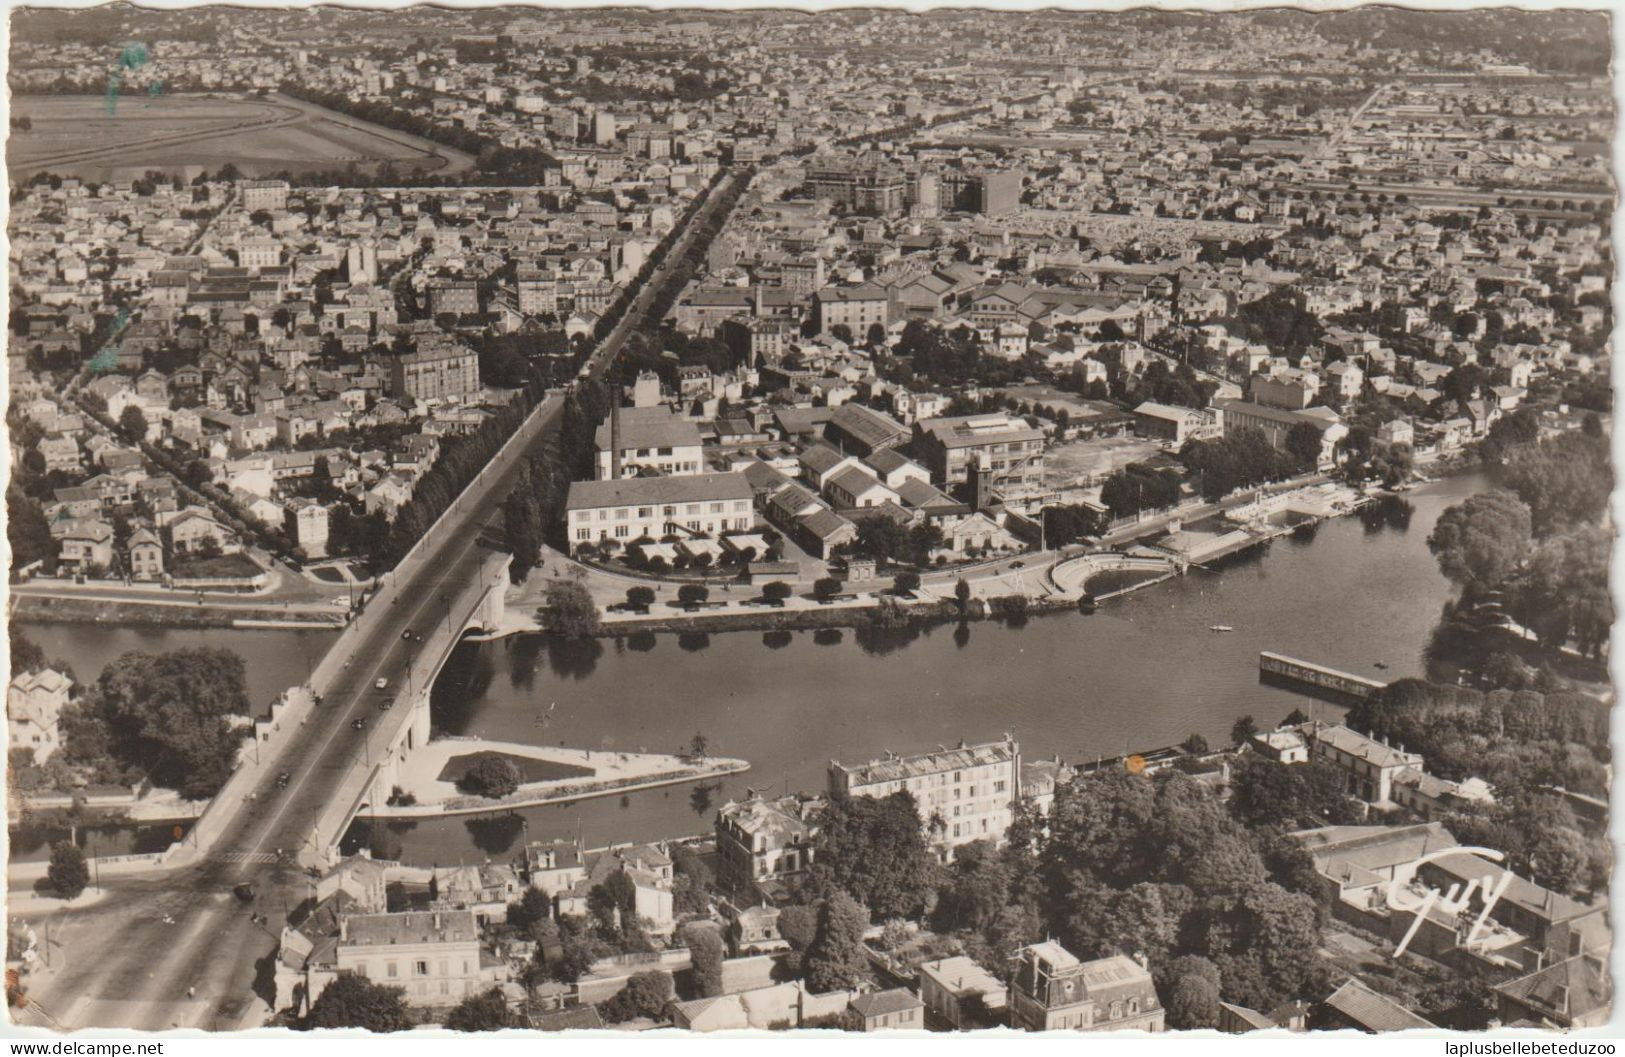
[(131, 968), (141, 978)]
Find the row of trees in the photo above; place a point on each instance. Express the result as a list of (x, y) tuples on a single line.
[(534, 511), (1138, 487), (461, 460), (1246, 459)]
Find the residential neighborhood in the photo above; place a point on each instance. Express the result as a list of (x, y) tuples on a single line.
[(864, 520)]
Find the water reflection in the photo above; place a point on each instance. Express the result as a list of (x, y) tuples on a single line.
[(693, 641), (777, 640), (641, 641), (495, 834), (962, 634), (522, 657), (828, 636), (572, 658), (700, 798), (878, 642)]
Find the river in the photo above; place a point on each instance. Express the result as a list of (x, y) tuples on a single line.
[(1142, 672)]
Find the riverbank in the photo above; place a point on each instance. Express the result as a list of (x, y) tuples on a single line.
[(429, 776), (167, 613)]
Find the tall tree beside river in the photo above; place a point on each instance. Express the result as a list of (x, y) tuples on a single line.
[(169, 717)]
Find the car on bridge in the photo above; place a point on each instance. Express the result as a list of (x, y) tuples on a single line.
[(359, 722), (381, 684)]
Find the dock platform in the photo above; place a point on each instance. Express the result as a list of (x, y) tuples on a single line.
[(1295, 674)]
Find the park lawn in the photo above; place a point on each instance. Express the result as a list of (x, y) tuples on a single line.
[(529, 770)]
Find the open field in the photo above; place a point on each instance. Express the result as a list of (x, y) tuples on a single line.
[(1071, 464), (85, 137)]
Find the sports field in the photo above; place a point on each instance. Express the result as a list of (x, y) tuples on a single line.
[(85, 137)]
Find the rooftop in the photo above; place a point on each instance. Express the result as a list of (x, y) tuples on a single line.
[(649, 427), (631, 491), (409, 927), (897, 768)]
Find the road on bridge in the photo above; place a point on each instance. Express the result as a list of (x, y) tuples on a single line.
[(129, 966)]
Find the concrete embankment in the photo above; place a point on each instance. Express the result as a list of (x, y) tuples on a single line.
[(168, 614), (922, 613), (562, 775)]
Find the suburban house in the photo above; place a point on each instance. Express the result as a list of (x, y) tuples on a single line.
[(1354, 1005), (433, 955), (897, 1009), (1577, 992), (146, 553), (1052, 990), (762, 844), (962, 994), (34, 703)]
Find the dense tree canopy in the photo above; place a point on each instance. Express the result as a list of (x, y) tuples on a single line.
[(353, 1001), (1138, 487), (486, 1011), (167, 716), (1518, 741), (569, 611), (873, 849), (1483, 540), (1237, 460), (1157, 866), (834, 960), (67, 872), (645, 995)]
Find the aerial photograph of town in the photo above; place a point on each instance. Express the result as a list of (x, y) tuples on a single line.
[(535, 519)]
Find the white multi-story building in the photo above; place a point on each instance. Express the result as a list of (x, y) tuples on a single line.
[(264, 194), (964, 794), (651, 438), (635, 507), (434, 956)]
